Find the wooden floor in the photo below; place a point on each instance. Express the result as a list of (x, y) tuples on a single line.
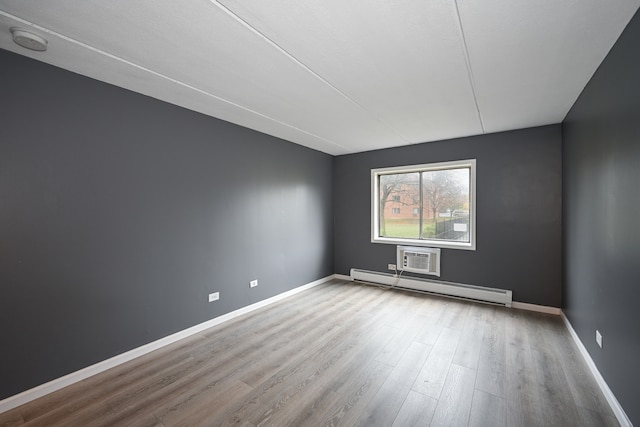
[(346, 354)]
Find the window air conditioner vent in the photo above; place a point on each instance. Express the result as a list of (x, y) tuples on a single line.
[(419, 260)]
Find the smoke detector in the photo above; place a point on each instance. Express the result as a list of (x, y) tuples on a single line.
[(29, 40)]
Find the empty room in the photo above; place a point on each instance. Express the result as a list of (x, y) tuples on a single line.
[(319, 213)]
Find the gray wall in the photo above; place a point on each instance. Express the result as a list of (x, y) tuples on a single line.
[(120, 213), (601, 176), (518, 211)]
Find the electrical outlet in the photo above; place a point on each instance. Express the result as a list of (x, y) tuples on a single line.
[(391, 267), (253, 283), (599, 338), (214, 296)]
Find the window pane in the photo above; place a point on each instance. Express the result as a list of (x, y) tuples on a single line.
[(399, 197), (446, 204)]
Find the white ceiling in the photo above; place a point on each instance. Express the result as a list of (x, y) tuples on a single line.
[(339, 76)]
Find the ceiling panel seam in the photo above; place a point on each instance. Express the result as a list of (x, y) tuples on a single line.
[(308, 69), (467, 60), (162, 76)]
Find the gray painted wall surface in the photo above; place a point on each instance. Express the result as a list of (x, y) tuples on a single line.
[(120, 213), (601, 169), (518, 211)]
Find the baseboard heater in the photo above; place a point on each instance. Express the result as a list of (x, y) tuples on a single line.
[(456, 290)]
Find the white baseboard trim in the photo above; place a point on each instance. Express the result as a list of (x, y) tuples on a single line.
[(343, 277), (74, 377), (534, 307), (621, 416)]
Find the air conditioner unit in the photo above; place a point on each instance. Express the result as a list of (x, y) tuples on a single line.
[(419, 260)]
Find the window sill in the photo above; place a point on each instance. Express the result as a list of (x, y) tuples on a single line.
[(428, 243)]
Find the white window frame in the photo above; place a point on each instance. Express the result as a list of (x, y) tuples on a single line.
[(448, 244)]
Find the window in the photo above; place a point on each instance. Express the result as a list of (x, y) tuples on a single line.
[(437, 205)]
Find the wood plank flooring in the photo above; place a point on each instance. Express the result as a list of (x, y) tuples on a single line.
[(345, 354)]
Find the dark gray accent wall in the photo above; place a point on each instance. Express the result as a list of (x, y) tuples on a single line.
[(518, 211), (601, 176), (119, 214)]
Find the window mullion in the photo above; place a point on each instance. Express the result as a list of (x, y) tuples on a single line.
[(421, 207)]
